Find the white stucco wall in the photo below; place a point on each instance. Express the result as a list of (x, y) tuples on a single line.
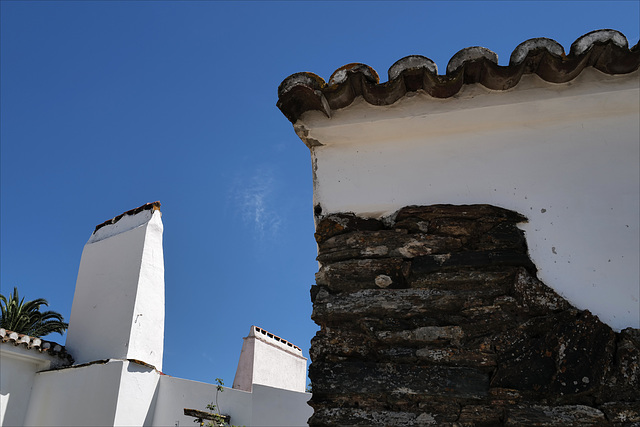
[(564, 155), (136, 395), (175, 394), (265, 406), (278, 407), (118, 305), (146, 341), (79, 396), (18, 367), (124, 393), (115, 393)]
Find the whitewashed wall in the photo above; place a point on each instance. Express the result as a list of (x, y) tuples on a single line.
[(136, 395), (115, 393), (18, 367), (265, 406), (80, 396), (564, 155), (278, 407), (123, 393)]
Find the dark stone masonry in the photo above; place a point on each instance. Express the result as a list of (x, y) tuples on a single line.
[(434, 316)]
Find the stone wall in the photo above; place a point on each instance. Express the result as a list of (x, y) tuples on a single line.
[(434, 316)]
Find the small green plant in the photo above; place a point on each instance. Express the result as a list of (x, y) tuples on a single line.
[(214, 417), (218, 420)]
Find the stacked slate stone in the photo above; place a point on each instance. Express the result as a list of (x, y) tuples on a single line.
[(434, 316)]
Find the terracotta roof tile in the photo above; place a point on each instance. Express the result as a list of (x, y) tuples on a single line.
[(36, 344), (605, 50)]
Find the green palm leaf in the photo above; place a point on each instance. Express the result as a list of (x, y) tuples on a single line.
[(26, 318)]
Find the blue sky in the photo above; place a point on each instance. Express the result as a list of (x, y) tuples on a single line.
[(108, 105)]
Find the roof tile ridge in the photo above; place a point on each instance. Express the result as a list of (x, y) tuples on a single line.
[(606, 50), (35, 343)]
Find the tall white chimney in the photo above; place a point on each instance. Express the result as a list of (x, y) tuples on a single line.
[(118, 305)]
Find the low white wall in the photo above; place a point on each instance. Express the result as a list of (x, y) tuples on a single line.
[(266, 406), (277, 407), (564, 155), (175, 394), (80, 396), (123, 393), (18, 367), (116, 393)]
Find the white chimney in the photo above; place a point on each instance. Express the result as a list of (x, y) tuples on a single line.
[(267, 359), (118, 306)]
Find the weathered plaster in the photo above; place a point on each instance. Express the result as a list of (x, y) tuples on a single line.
[(566, 155)]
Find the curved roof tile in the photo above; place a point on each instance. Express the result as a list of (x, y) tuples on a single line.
[(605, 50), (36, 344)]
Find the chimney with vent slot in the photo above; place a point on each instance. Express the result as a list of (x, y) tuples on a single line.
[(267, 359)]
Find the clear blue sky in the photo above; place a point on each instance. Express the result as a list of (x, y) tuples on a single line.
[(108, 105)]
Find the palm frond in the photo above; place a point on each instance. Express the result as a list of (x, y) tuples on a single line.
[(26, 317)]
